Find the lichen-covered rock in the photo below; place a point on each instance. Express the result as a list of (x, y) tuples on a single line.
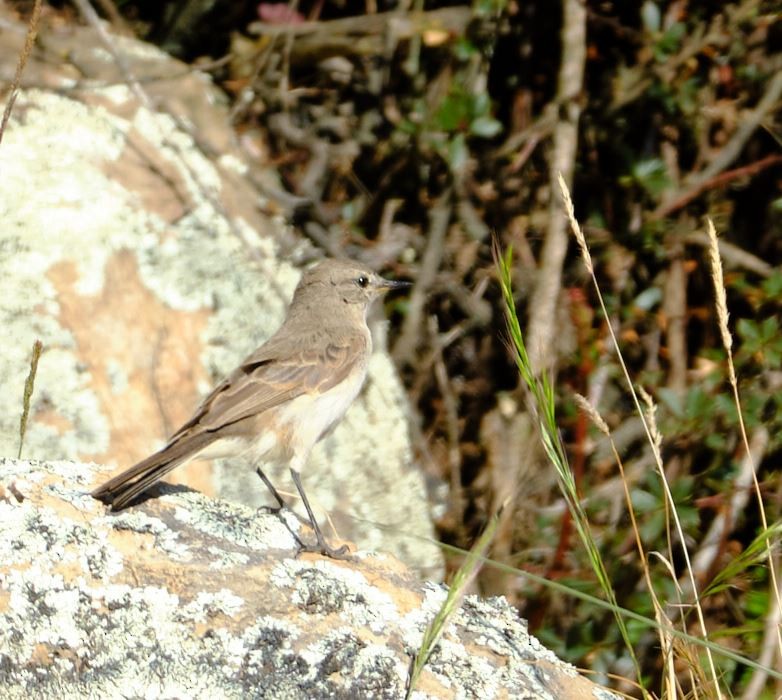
[(137, 249), (183, 596)]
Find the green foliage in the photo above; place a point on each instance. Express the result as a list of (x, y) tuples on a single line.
[(449, 126), (649, 502), (705, 413), (761, 342), (489, 8), (652, 176), (772, 286), (752, 556), (669, 42), (461, 111)]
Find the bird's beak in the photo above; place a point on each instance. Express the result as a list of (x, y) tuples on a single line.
[(393, 284)]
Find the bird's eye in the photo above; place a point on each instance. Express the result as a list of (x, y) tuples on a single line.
[(362, 281)]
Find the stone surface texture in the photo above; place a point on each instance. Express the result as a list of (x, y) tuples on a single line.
[(184, 596)]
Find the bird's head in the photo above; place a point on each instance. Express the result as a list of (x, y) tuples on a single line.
[(352, 283)]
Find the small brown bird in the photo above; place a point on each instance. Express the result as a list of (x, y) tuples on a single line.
[(285, 396)]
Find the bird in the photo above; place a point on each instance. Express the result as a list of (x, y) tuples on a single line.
[(285, 396)]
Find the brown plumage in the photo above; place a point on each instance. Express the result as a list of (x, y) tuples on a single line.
[(286, 395)]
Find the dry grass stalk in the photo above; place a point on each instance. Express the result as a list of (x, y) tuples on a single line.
[(718, 280), (654, 439)]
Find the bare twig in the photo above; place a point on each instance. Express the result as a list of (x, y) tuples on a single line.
[(712, 175), (320, 237), (404, 24), (675, 310), (543, 302), (92, 84), (540, 129), (117, 21), (439, 217), (451, 406), (91, 17), (701, 185)]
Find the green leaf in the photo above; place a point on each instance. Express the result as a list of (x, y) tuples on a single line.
[(670, 41), (649, 298), (747, 330), (715, 441), (643, 501), (485, 127), (651, 529), (650, 16), (464, 49), (772, 286), (457, 152), (652, 175), (481, 105), (770, 329), (672, 400), (454, 113)]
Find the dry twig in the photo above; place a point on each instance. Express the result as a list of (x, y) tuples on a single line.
[(439, 217), (542, 304), (712, 175)]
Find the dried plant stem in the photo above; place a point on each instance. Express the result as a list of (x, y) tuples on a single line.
[(28, 392), (664, 624), (653, 439), (464, 576), (727, 341), (32, 31), (542, 407)]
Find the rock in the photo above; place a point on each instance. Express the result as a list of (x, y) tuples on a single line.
[(136, 247), (184, 596)]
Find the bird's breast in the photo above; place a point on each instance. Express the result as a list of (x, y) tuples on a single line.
[(302, 422)]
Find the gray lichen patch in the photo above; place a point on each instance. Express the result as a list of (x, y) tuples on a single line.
[(207, 605), (323, 587), (337, 665), (54, 541), (163, 537), (236, 524), (184, 596)]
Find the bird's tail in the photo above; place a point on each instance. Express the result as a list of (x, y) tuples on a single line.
[(125, 487)]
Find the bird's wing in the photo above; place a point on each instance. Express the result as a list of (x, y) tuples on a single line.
[(278, 372)]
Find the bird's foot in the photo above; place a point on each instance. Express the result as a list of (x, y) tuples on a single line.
[(322, 547), (270, 510)]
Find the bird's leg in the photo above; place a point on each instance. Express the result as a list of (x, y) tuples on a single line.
[(272, 490), (280, 506), (322, 546)]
